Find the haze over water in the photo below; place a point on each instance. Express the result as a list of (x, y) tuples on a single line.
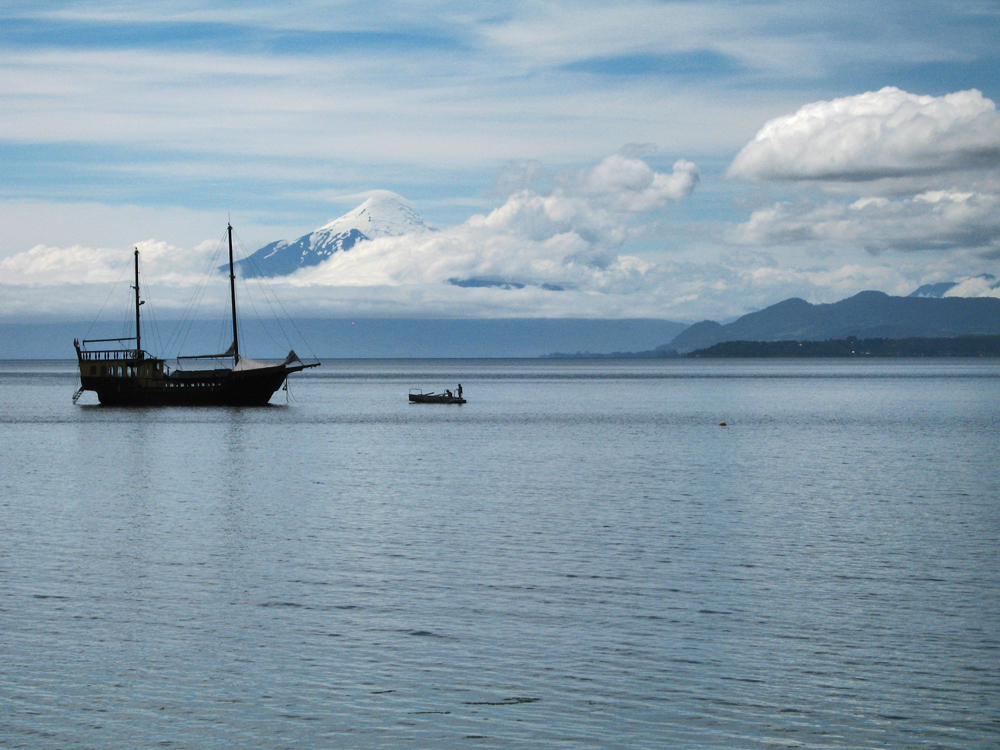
[(580, 557)]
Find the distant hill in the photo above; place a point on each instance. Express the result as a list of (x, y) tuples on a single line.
[(953, 346), (865, 315), (382, 215)]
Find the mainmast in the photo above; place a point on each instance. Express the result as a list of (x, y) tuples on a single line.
[(138, 330), (232, 292)]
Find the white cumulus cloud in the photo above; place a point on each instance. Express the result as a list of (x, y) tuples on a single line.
[(876, 135), (628, 184), (900, 172), (52, 265)]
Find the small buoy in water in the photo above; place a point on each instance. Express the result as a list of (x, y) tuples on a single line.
[(722, 424)]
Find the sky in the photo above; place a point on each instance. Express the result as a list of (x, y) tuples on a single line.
[(675, 160)]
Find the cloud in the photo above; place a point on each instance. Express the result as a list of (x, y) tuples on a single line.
[(911, 173), (45, 265), (518, 175), (628, 184), (877, 135), (942, 220), (568, 238), (983, 285)]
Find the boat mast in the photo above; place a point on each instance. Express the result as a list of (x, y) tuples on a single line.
[(138, 330), (232, 293)]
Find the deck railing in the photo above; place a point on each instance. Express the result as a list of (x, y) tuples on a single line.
[(103, 355)]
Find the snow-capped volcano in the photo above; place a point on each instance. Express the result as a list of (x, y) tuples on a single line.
[(384, 214)]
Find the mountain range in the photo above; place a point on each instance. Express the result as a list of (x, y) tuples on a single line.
[(865, 315), (381, 215)]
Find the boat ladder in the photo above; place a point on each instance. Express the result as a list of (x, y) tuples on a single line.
[(76, 396)]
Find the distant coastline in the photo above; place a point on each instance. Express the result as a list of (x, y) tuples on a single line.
[(953, 346), (650, 354)]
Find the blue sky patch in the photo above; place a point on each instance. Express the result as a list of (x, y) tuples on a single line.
[(75, 34), (701, 63)]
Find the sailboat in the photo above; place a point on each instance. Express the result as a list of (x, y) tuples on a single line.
[(133, 377)]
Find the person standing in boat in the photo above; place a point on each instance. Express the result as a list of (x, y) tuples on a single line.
[(460, 390)]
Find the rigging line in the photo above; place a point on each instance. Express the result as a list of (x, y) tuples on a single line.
[(154, 327), (224, 330), (154, 324), (253, 306), (266, 287), (250, 264), (277, 322), (191, 313), (297, 331), (252, 300), (274, 313), (184, 326), (113, 288), (258, 276), (128, 315), (150, 320)]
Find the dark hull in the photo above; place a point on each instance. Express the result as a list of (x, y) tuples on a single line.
[(431, 398), (206, 388)]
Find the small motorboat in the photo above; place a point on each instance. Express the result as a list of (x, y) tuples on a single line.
[(417, 396)]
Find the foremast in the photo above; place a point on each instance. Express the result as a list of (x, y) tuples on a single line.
[(138, 303)]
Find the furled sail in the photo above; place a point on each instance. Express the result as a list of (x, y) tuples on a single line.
[(231, 351), (245, 363)]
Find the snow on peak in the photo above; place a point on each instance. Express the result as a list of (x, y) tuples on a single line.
[(383, 214)]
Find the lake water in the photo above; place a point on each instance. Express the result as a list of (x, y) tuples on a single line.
[(580, 557)]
